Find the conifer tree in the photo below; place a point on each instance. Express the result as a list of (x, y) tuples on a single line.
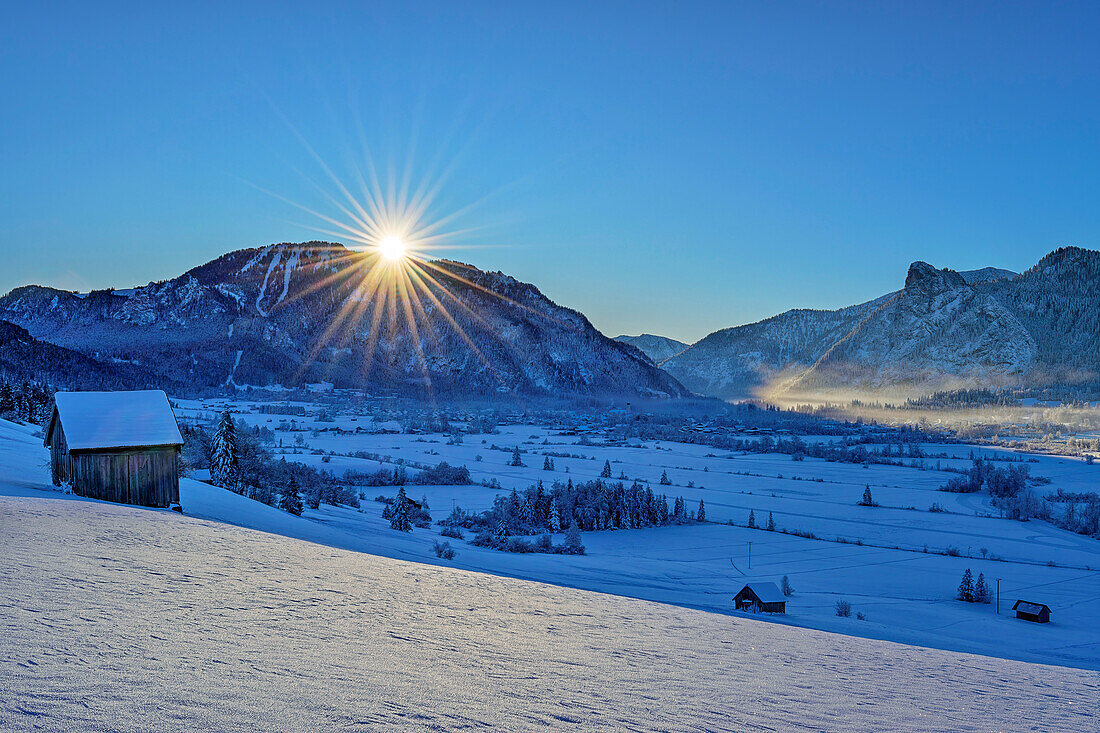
[(678, 510), (399, 519), (547, 464), (517, 459), (702, 515), (7, 398), (606, 472), (867, 500), (966, 587), (291, 500), (771, 522), (573, 537), (981, 590), (225, 465), (500, 532), (786, 587), (752, 519), (555, 518), (513, 506), (664, 479)]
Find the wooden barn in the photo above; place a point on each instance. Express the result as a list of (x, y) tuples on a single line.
[(1028, 611), (761, 597), (116, 446)]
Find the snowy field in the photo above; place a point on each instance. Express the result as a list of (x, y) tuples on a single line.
[(906, 594), (126, 619)]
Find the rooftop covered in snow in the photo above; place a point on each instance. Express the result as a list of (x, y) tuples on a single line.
[(767, 592), (102, 420)]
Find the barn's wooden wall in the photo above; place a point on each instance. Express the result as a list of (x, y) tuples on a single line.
[(149, 476), (59, 464)]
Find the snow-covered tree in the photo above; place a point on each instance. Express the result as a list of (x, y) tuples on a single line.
[(867, 500), (966, 587), (606, 472), (785, 586), (702, 514), (573, 537), (771, 522), (555, 518), (291, 500), (547, 464), (500, 532), (225, 463), (981, 590), (752, 519), (399, 518), (517, 459), (664, 479)]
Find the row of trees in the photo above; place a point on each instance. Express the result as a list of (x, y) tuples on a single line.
[(974, 591), (593, 505), (241, 462), (999, 482), (26, 401), (442, 474)]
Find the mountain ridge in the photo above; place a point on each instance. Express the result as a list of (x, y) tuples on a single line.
[(295, 313), (943, 330)]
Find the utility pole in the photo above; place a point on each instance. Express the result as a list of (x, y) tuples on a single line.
[(750, 556), (998, 596)]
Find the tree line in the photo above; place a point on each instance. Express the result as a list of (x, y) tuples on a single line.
[(240, 461)]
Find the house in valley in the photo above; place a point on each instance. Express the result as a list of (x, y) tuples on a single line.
[(761, 596)]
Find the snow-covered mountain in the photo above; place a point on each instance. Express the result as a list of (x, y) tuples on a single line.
[(657, 348), (942, 330), (300, 313)]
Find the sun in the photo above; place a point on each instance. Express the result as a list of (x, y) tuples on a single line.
[(393, 248)]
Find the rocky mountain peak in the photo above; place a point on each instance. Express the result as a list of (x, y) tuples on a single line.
[(925, 279)]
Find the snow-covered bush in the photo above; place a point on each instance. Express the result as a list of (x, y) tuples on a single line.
[(444, 550)]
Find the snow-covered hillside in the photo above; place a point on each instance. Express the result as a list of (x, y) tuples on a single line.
[(119, 618)]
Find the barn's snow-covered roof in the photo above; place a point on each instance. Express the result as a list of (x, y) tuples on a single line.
[(100, 420), (767, 592), (1029, 607)]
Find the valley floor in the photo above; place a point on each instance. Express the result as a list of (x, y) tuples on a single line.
[(906, 594)]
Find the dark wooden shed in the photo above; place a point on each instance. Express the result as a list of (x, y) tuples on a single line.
[(761, 597), (1028, 611), (116, 446)]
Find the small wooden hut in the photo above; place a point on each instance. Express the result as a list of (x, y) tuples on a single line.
[(761, 597), (116, 446), (1028, 611)]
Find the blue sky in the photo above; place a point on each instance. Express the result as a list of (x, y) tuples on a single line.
[(672, 168)]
